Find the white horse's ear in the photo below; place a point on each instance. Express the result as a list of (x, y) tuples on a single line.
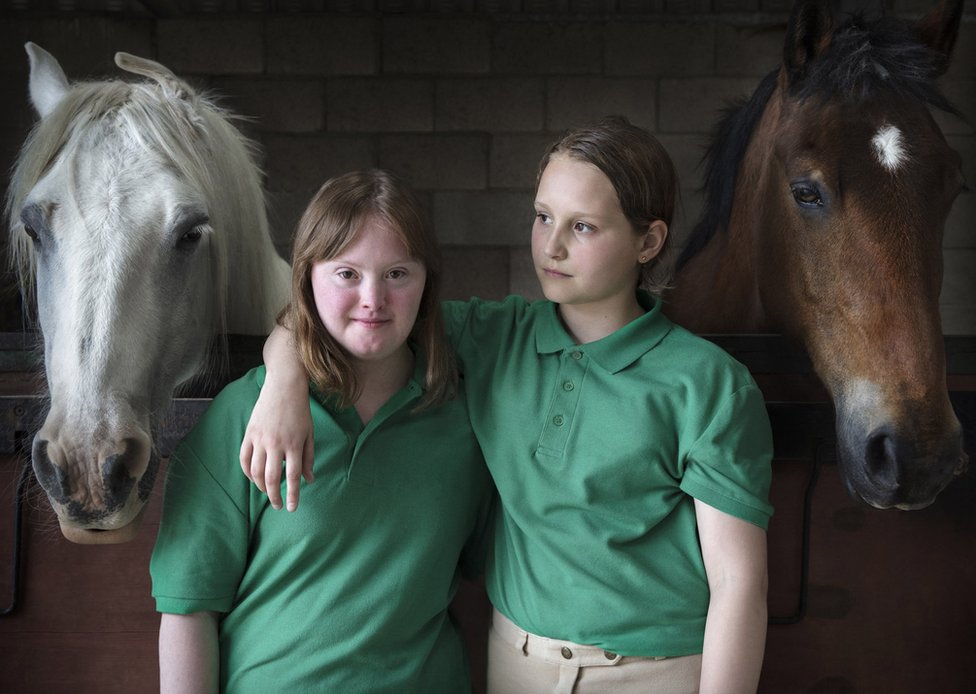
[(48, 85), (171, 84)]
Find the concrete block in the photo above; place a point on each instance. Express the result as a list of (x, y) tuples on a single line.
[(323, 45), (572, 101), (275, 105), (730, 6), (748, 50), (513, 160), (85, 46), (380, 104), (441, 45), (958, 298), (963, 65), (960, 228), (677, 7), (962, 95), (958, 320), (547, 48), (303, 163), (687, 152), (489, 218), (437, 162), (523, 280), (480, 271), (491, 104), (657, 48), (965, 145), (694, 105), (211, 46)]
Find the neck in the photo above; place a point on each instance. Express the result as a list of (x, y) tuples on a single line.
[(589, 323), (378, 381)]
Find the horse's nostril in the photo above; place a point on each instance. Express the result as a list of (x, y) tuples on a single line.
[(881, 457), (51, 477), (117, 477)]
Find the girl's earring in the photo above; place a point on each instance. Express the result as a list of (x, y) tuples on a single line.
[(643, 259)]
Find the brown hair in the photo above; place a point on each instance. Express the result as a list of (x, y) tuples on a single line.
[(329, 224), (642, 174)]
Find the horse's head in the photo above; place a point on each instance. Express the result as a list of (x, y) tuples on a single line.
[(114, 220), (832, 185), (855, 181)]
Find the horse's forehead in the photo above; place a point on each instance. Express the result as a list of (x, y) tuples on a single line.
[(111, 181), (886, 135)]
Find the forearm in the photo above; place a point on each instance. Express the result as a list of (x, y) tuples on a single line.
[(281, 358), (735, 638), (189, 656)]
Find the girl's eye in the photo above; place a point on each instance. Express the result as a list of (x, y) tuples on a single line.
[(582, 228), (542, 217), (397, 274), (346, 274)]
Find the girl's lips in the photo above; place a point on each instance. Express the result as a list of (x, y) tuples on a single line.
[(371, 322), (555, 273)]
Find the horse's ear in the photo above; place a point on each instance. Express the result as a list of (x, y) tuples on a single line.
[(171, 84), (48, 85), (807, 36), (940, 27)]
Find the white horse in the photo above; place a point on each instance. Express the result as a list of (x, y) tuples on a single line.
[(137, 220)]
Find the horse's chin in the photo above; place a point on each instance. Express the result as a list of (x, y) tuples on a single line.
[(96, 536)]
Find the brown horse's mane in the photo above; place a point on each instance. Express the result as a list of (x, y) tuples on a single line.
[(862, 59)]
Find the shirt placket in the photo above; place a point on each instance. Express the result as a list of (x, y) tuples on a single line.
[(573, 364)]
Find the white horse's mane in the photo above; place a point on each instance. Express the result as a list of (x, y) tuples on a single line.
[(189, 132)]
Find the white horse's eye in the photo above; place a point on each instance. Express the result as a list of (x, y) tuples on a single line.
[(192, 236), (29, 230)]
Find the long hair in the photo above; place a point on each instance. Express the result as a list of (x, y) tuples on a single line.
[(641, 173), (329, 224)]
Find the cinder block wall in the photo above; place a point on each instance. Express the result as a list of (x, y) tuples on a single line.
[(462, 96)]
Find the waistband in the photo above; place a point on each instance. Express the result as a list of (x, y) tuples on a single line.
[(552, 650)]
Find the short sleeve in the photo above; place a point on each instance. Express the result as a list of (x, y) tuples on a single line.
[(729, 466), (201, 549)]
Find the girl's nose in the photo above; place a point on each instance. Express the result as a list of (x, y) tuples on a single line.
[(555, 248), (373, 294)]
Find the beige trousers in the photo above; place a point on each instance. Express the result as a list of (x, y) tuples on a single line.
[(523, 663)]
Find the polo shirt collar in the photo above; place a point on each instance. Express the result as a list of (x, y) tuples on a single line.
[(616, 351)]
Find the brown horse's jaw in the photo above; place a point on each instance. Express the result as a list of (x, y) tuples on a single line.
[(115, 536)]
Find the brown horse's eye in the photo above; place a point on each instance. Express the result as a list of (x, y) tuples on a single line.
[(806, 196)]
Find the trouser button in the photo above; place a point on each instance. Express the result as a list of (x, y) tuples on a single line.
[(567, 654)]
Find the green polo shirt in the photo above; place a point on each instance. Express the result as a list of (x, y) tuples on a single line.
[(598, 452), (350, 592)]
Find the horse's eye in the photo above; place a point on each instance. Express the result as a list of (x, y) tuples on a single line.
[(189, 238), (806, 196), (29, 230)]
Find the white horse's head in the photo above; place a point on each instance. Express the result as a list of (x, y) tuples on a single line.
[(137, 220)]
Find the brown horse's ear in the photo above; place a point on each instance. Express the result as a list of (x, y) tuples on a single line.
[(940, 27), (807, 36)]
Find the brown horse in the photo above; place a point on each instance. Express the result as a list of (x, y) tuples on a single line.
[(827, 195)]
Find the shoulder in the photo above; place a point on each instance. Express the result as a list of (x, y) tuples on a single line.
[(701, 357), (479, 315), (225, 418)]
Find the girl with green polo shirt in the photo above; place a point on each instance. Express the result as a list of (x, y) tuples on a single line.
[(631, 458), (351, 592)]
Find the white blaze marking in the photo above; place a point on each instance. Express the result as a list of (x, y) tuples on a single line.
[(889, 147)]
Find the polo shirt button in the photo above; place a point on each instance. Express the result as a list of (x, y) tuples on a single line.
[(568, 385), (576, 355), (608, 655), (558, 420), (567, 654)]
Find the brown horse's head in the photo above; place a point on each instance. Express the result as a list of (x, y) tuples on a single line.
[(840, 200)]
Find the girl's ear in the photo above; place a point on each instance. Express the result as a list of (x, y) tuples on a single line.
[(653, 241)]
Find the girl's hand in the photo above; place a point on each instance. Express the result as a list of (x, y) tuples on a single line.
[(280, 428)]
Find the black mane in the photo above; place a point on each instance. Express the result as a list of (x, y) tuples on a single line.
[(862, 58)]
